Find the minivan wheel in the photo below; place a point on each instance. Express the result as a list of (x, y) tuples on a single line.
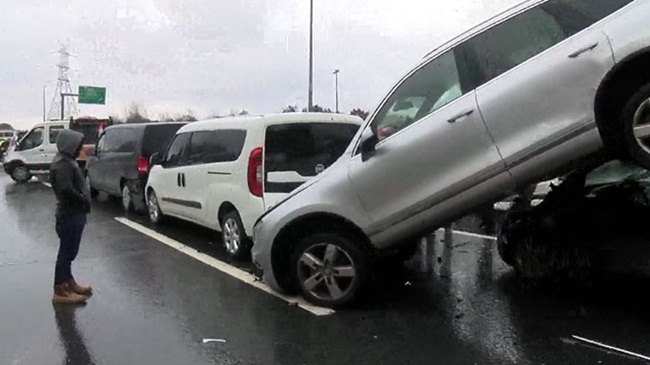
[(127, 199), (21, 174), (329, 269), (93, 192), (155, 214), (636, 127), (233, 235)]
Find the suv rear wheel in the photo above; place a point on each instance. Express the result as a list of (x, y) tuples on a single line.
[(635, 120), (329, 269)]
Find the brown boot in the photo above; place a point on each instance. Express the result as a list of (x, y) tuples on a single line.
[(63, 296), (85, 290)]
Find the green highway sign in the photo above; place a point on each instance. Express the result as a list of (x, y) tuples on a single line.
[(92, 95)]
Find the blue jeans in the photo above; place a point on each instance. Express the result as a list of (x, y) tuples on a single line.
[(69, 230)]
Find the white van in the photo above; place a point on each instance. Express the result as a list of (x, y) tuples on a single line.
[(224, 173), (33, 154)]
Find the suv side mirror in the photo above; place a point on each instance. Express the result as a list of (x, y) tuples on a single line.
[(155, 159), (368, 143)]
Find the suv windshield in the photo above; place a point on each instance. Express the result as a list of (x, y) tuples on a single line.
[(305, 149)]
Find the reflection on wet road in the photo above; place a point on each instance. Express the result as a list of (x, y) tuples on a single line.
[(455, 302)]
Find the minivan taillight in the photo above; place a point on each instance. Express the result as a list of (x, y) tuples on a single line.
[(143, 166), (255, 173)]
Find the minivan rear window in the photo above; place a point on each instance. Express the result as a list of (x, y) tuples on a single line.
[(121, 140), (305, 149), (157, 137)]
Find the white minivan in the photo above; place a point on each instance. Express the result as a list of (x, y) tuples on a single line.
[(224, 173)]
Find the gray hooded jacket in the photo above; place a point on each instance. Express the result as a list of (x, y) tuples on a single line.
[(69, 186)]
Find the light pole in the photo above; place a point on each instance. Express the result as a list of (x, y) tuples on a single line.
[(44, 88), (336, 81), (310, 98)]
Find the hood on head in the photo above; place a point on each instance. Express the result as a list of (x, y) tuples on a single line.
[(68, 142)]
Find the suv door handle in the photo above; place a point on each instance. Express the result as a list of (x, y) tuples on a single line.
[(577, 53), (461, 116), (183, 179), (178, 179)]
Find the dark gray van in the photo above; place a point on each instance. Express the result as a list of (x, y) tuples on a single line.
[(120, 165)]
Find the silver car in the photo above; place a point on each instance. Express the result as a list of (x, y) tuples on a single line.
[(516, 99)]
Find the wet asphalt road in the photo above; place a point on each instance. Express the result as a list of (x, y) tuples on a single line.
[(456, 304)]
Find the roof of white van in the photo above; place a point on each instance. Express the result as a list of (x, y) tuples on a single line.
[(269, 119)]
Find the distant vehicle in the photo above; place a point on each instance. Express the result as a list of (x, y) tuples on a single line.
[(524, 96), (5, 139), (33, 153), (7, 134), (224, 173), (119, 165)]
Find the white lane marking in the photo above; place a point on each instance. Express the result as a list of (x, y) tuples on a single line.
[(47, 184), (608, 347), (470, 234), (225, 268)]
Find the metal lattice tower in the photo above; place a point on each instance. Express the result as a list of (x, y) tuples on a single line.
[(63, 87)]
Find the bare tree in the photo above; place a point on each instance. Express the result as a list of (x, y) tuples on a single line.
[(290, 109), (135, 113), (317, 109), (363, 114)]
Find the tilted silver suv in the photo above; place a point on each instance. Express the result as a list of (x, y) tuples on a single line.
[(516, 99)]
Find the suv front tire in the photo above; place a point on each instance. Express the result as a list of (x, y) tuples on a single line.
[(329, 269)]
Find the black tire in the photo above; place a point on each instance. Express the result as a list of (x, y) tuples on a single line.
[(94, 193), (126, 198), (505, 248), (154, 213), (637, 151), (347, 255), (233, 235), (20, 174)]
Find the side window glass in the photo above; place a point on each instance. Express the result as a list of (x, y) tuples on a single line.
[(198, 148), (515, 41), (33, 139), (223, 145), (177, 153), (110, 140), (54, 132), (576, 15), (431, 87)]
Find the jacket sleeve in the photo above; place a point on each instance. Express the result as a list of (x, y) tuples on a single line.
[(62, 183)]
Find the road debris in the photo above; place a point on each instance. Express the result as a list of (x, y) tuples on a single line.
[(208, 340)]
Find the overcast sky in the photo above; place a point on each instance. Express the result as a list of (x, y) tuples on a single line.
[(213, 56)]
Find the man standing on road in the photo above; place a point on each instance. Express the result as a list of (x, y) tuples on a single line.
[(73, 204)]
